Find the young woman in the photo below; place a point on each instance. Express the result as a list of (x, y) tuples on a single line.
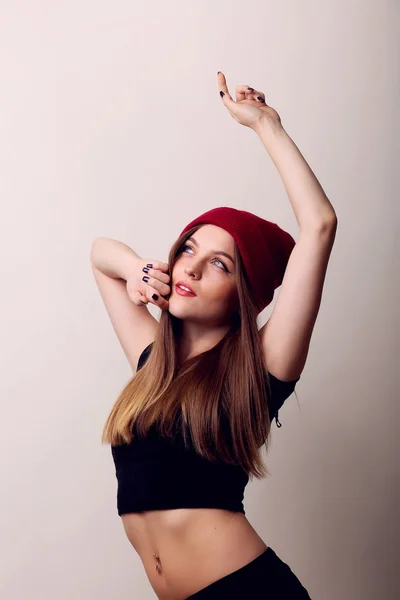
[(187, 429)]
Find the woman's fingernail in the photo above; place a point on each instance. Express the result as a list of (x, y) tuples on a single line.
[(222, 94), (155, 297), (251, 89), (145, 278), (260, 98), (145, 270), (150, 266)]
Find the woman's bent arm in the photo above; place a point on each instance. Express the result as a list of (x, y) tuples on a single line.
[(113, 258), (113, 263)]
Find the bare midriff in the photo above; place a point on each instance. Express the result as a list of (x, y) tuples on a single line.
[(186, 549)]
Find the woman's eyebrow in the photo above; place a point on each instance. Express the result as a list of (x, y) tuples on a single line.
[(213, 251)]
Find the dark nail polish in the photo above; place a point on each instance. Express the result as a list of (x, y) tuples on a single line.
[(222, 94), (251, 89), (145, 278), (155, 297), (145, 270), (150, 266), (260, 98)]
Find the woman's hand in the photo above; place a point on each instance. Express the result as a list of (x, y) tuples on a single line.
[(250, 108), (141, 291)]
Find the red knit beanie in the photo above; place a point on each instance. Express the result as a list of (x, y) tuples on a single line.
[(264, 247)]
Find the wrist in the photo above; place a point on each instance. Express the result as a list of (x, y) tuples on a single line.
[(268, 126)]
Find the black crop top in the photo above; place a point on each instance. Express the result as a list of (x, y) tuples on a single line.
[(154, 473)]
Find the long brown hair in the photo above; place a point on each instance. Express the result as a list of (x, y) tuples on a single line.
[(219, 397)]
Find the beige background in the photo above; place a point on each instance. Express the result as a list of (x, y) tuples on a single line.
[(111, 125)]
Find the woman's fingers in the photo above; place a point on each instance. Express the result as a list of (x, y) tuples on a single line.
[(153, 295), (158, 275), (243, 92), (224, 88), (156, 287), (158, 281), (153, 281)]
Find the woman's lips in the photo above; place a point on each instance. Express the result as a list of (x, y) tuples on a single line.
[(182, 292)]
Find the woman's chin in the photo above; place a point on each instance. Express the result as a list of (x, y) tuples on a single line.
[(179, 308), (175, 306)]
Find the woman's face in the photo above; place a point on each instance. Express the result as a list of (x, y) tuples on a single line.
[(211, 275)]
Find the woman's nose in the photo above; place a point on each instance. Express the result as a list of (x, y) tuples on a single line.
[(191, 271)]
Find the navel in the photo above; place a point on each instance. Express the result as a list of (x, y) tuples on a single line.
[(158, 562)]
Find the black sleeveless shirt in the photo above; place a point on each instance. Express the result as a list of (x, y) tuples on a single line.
[(154, 473)]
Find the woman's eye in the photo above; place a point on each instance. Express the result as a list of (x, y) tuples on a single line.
[(220, 261), (217, 259)]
